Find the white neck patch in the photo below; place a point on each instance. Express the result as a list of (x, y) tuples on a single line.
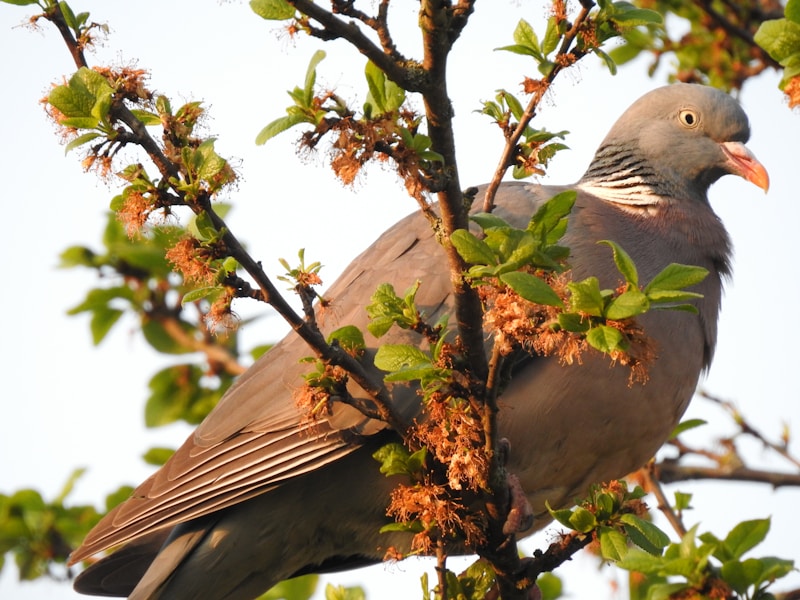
[(634, 196)]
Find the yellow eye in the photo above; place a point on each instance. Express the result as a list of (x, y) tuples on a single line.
[(689, 118)]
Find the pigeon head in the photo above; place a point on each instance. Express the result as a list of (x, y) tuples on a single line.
[(672, 144)]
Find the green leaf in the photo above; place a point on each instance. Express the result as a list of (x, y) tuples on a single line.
[(66, 490), (476, 580), (161, 340), (20, 2), (625, 53), (311, 77), (146, 117), (574, 322), (562, 515), (676, 277), (175, 393), (69, 16), (686, 426), (394, 459), (780, 38), (418, 372), (298, 588), (210, 163), (417, 460), (608, 61), (741, 575), (613, 544), (792, 11), (157, 456), (627, 15), (472, 249), (550, 586), (488, 220), (531, 288), (279, 126), (386, 308), (524, 50), (118, 496), (745, 536), (606, 339), (393, 357), (775, 568), (77, 256), (550, 221), (411, 526), (671, 296), (644, 534), (551, 36), (384, 94), (342, 593), (624, 263), (84, 101), (626, 305), (81, 140), (586, 297), (514, 105), (272, 10), (526, 42), (209, 293), (514, 247), (682, 501), (103, 319), (582, 520), (258, 351), (350, 339), (641, 561)]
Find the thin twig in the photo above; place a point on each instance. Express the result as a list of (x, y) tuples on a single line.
[(214, 352), (653, 485), (513, 137), (748, 429)]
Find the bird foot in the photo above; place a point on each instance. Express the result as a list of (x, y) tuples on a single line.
[(520, 515)]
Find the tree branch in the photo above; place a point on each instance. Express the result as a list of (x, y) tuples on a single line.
[(56, 17), (406, 74), (670, 471), (269, 293), (437, 41), (747, 428)]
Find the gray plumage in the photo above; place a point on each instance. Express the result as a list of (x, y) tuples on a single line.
[(254, 497)]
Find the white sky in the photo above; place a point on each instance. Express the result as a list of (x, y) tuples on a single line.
[(68, 404)]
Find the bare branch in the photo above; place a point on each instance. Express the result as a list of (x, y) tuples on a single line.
[(670, 471), (747, 428)]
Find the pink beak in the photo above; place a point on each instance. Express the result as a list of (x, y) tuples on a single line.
[(742, 162)]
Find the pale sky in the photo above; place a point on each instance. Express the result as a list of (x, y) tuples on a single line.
[(68, 403)]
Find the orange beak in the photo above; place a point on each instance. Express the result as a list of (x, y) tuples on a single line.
[(743, 163)]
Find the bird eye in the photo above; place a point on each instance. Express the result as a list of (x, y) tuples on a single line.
[(688, 118)]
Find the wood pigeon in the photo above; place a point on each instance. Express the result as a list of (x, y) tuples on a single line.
[(257, 494)]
